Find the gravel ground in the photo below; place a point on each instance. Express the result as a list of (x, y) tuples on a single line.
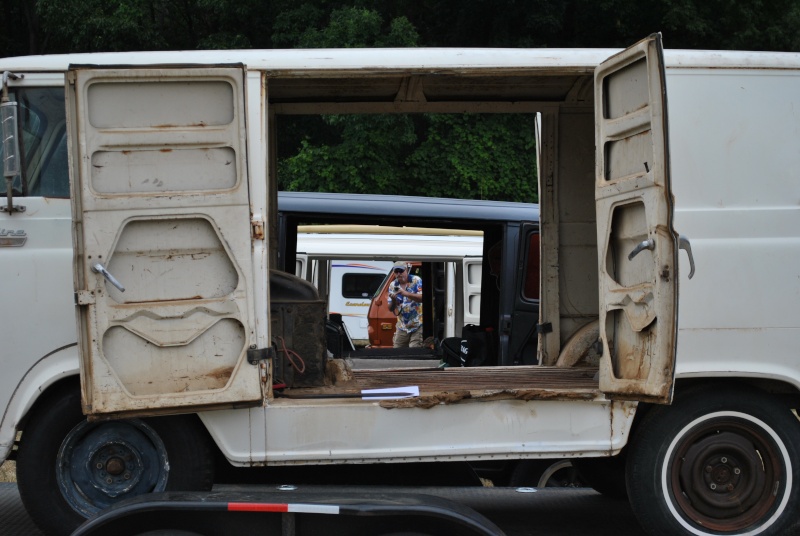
[(8, 472)]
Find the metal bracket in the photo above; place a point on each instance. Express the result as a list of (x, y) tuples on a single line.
[(256, 355), (84, 297), (257, 229), (12, 208), (543, 328)]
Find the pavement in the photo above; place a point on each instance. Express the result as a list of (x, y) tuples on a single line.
[(14, 520)]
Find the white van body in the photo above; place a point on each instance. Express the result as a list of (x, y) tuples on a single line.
[(332, 257), (732, 157)]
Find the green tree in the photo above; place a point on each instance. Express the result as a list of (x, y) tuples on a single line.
[(119, 25), (489, 156), (100, 25), (344, 153), (366, 159), (307, 26)]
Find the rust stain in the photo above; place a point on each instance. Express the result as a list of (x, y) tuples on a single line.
[(165, 150), (222, 373), (427, 401), (534, 394), (452, 397), (160, 302), (338, 372), (167, 125)]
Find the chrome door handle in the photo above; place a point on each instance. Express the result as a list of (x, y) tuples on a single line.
[(683, 243), (645, 244), (100, 269)]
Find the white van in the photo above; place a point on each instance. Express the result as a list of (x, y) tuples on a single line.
[(348, 264), (174, 200)]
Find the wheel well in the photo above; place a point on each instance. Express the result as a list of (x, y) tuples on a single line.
[(73, 382), (64, 384), (783, 391)]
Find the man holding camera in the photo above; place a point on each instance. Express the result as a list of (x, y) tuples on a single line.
[(405, 300)]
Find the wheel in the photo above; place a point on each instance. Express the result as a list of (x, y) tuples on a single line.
[(69, 469), (545, 474), (719, 461), (604, 475)]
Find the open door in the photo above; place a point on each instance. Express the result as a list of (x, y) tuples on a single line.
[(637, 245), (163, 270)]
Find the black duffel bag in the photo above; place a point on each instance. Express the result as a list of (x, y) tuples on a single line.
[(476, 347)]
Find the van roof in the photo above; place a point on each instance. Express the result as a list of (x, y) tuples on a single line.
[(384, 230), (382, 60)]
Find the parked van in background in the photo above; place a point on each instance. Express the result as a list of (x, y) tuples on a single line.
[(510, 231), (353, 285), (350, 283)]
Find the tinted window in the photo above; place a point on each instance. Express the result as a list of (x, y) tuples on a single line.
[(360, 285)]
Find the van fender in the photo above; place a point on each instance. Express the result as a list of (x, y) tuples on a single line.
[(55, 366)]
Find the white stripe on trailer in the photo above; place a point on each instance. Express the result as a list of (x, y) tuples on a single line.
[(313, 509)]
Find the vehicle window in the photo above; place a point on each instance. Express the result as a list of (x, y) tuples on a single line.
[(531, 288), (356, 285), (54, 176), (42, 121)]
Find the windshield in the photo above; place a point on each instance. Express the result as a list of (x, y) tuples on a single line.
[(45, 168)]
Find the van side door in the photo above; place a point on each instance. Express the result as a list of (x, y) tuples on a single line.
[(163, 267), (523, 339), (637, 245)]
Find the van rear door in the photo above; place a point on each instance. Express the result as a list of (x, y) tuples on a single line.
[(637, 245), (161, 210)]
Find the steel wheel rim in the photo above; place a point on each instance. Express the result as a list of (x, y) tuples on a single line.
[(745, 483), (100, 464)]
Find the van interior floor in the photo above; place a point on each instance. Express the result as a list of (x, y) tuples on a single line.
[(525, 382)]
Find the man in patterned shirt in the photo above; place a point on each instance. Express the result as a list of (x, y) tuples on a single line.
[(405, 300)]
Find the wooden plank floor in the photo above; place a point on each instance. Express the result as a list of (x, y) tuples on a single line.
[(453, 384), (480, 378)]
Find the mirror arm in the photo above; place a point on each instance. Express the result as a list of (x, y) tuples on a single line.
[(10, 131)]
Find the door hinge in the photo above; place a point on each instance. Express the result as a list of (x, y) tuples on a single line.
[(84, 297), (255, 355), (545, 327), (258, 229)]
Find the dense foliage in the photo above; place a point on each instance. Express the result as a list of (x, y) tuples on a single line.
[(459, 156)]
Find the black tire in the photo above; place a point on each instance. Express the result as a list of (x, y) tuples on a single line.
[(604, 475), (556, 473), (120, 459), (719, 461)]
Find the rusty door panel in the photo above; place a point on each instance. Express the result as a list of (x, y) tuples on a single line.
[(637, 246), (161, 203)]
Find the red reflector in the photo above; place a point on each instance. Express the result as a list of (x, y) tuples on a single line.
[(257, 507)]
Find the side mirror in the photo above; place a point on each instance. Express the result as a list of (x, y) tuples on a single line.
[(8, 117), (9, 129)]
